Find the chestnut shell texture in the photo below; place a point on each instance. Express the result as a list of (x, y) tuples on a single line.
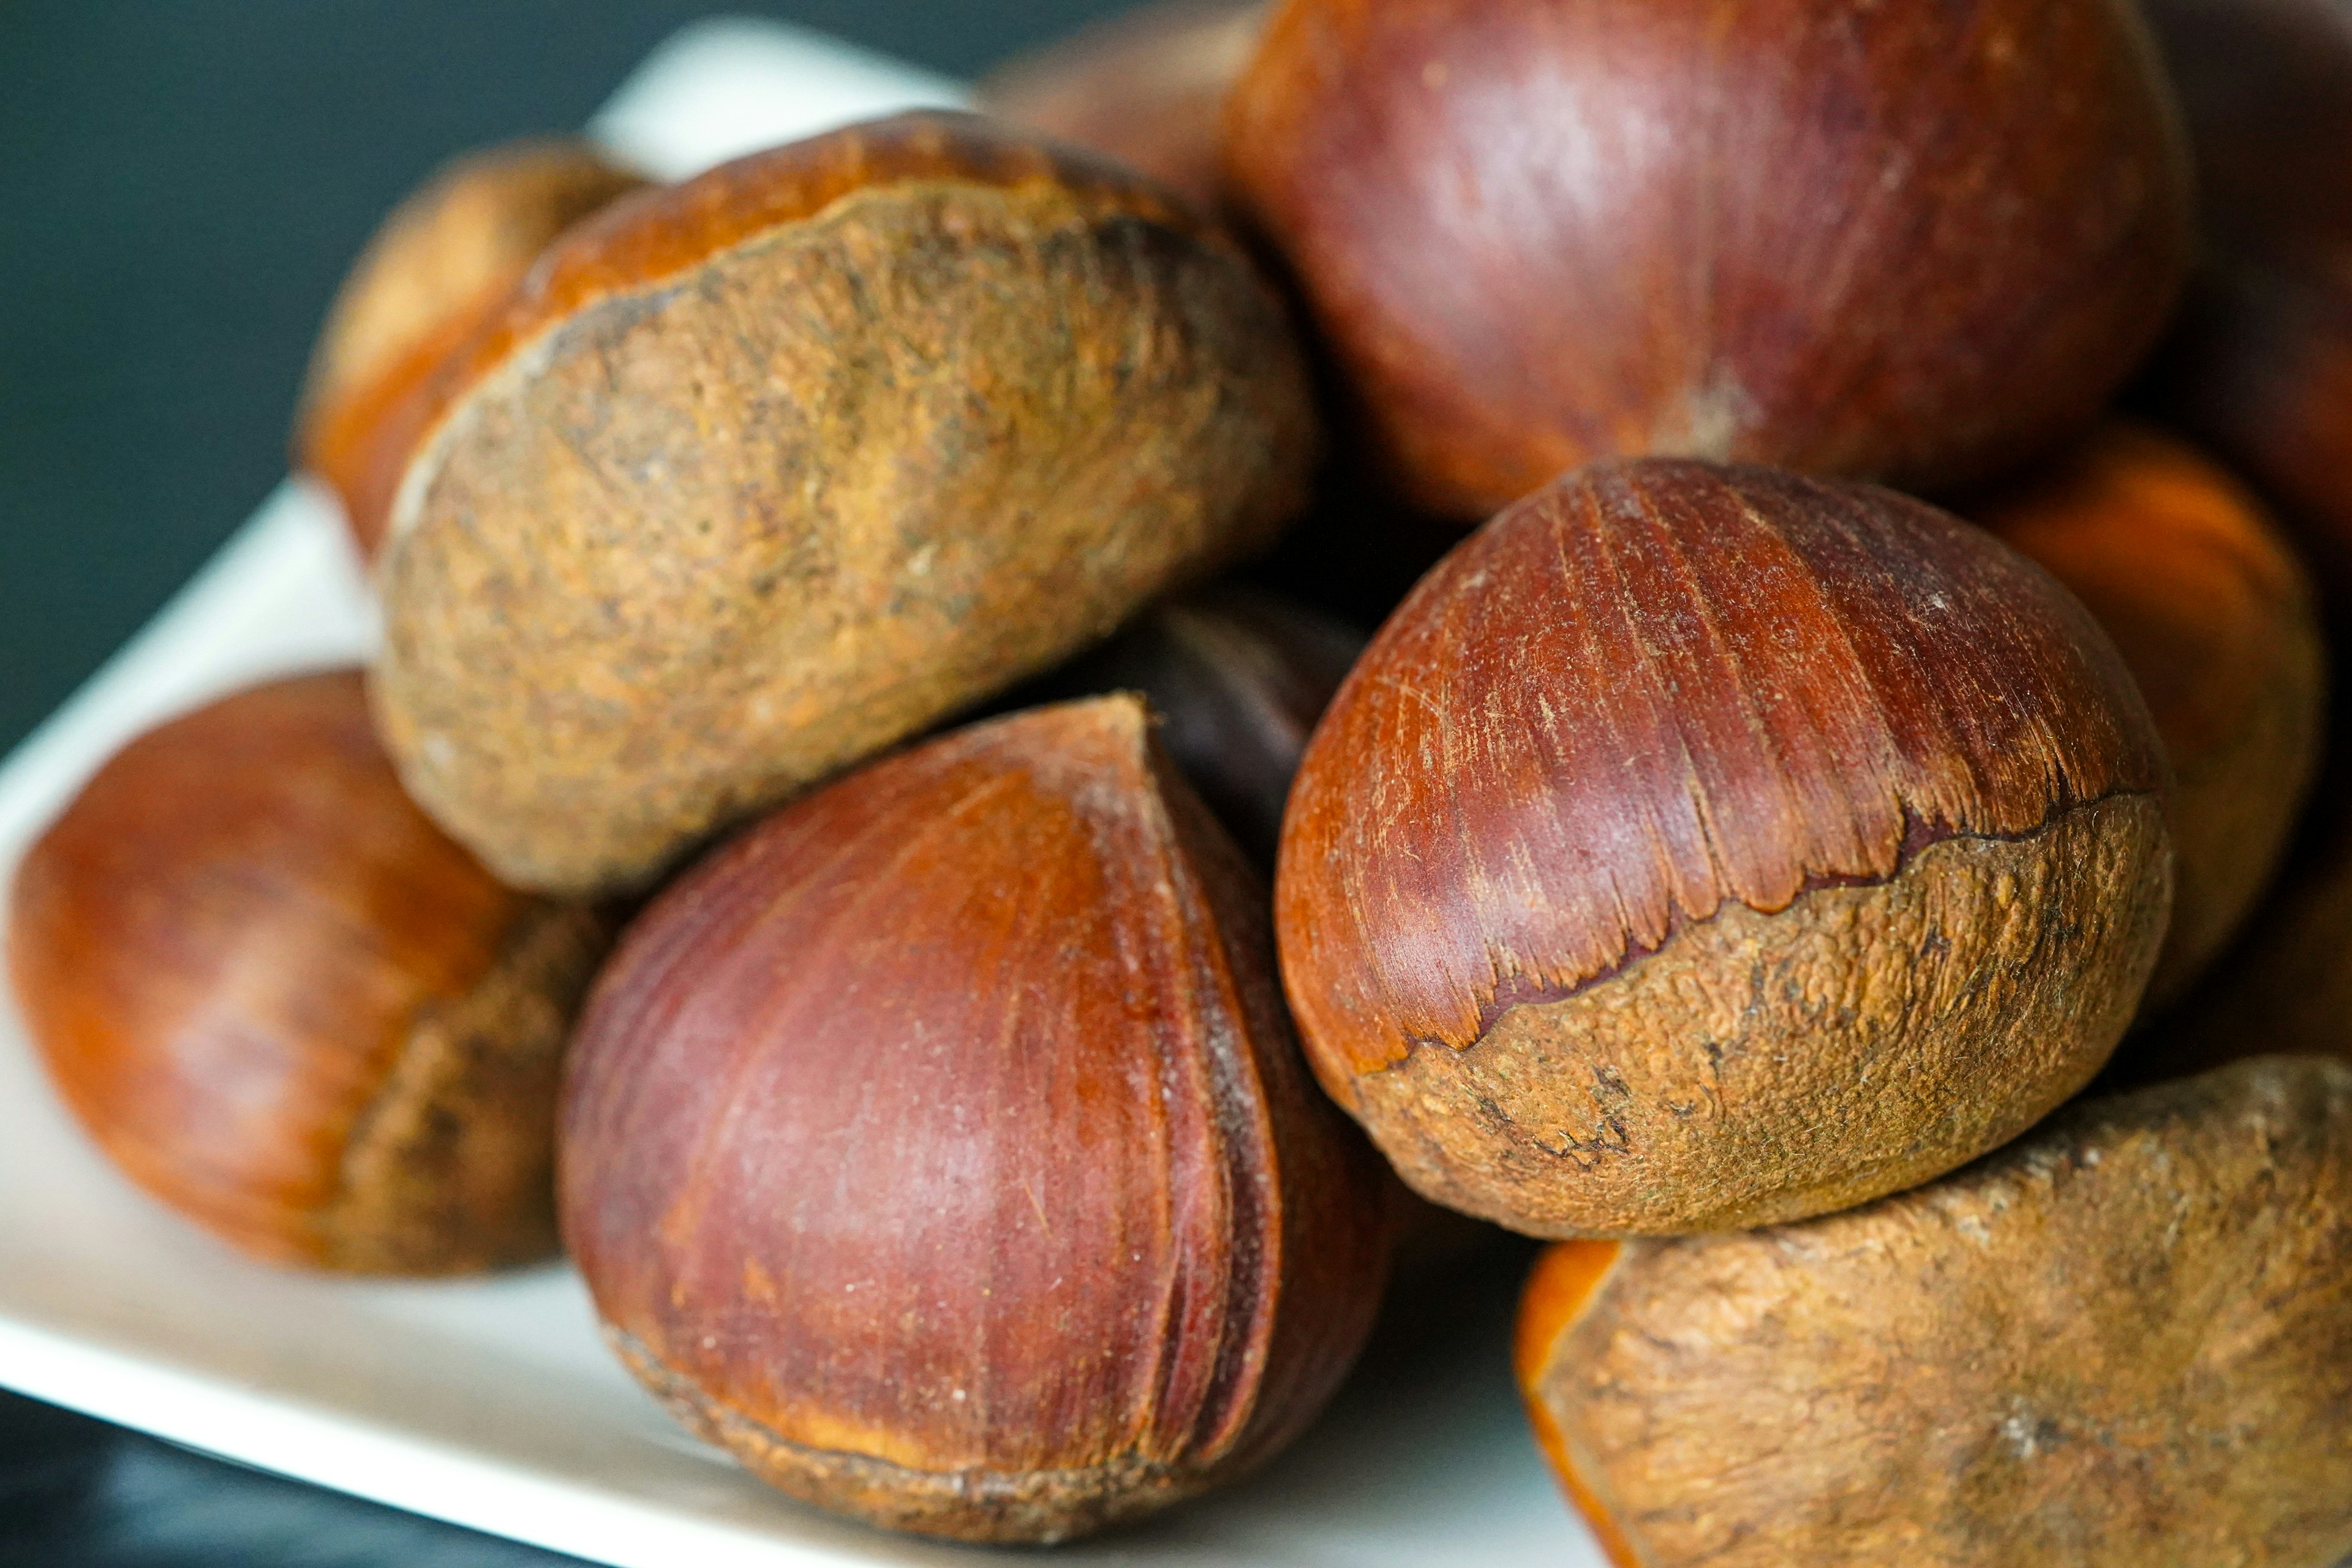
[(2219, 624), (1706, 847), (438, 268), (284, 1003), (2125, 1341), (762, 472), (1911, 242), (940, 1148)]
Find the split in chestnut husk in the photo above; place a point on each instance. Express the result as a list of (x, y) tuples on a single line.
[(1706, 847), (1916, 243), (2218, 622), (282, 1002), (763, 472), (1146, 87), (2124, 1340), (940, 1146), (2259, 366), (438, 267), (1236, 677)]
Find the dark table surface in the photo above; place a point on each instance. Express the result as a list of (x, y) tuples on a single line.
[(181, 187)]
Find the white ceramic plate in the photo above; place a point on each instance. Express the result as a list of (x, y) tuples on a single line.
[(491, 1403)]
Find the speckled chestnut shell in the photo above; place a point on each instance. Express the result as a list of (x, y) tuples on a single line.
[(762, 472), (1909, 242), (282, 1002), (2125, 1339), (2219, 624), (1700, 847), (940, 1146), (436, 270)]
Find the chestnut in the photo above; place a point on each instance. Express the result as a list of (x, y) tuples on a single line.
[(762, 472), (2217, 621), (436, 269), (1237, 676), (940, 1146), (1910, 242), (1705, 846), (282, 1002), (2123, 1341), (2261, 366), (1146, 86)]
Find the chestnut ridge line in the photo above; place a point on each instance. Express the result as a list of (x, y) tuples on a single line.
[(1513, 988), (549, 299)]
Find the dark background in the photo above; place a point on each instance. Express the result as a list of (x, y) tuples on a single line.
[(181, 187)]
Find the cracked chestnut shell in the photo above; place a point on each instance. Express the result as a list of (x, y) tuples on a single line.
[(2217, 621), (762, 472), (1147, 86), (285, 1004), (436, 269), (2124, 1340), (1706, 847), (940, 1146), (1909, 242)]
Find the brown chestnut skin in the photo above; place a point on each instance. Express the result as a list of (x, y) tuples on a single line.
[(2261, 366), (763, 472), (1914, 243), (2286, 983), (2125, 1339), (431, 276), (1705, 846), (1146, 87), (285, 1004), (1237, 676), (940, 1146), (2218, 622)]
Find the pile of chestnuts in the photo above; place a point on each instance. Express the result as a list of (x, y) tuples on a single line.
[(874, 830)]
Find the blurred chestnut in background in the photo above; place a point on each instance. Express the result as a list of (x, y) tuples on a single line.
[(432, 274), (2260, 368), (940, 1146), (2125, 1341), (1238, 677), (1147, 86), (284, 1004), (1912, 242), (768, 470), (1703, 847), (2217, 621)]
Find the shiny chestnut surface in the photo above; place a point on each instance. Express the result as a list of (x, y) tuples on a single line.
[(1912, 242), (940, 1146), (284, 1003), (1703, 847)]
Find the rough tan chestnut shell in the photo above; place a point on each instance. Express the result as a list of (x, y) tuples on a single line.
[(1147, 86), (436, 270), (940, 1148), (762, 472), (1703, 847), (2125, 1342), (2215, 619), (1911, 242), (284, 1004)]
